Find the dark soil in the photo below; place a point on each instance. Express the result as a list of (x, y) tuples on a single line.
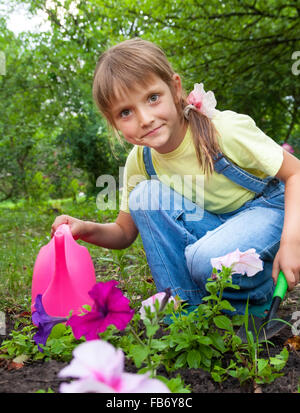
[(39, 375)]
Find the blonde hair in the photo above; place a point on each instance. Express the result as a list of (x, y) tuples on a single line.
[(132, 63)]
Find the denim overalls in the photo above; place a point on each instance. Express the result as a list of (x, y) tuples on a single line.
[(179, 250)]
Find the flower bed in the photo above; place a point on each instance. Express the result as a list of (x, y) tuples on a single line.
[(164, 347)]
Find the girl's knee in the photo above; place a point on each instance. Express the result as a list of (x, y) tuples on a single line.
[(198, 262)]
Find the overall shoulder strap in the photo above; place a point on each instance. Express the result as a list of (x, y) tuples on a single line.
[(241, 177), (224, 166), (148, 162)]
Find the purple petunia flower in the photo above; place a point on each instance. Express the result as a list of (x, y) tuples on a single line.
[(110, 307), (44, 322)]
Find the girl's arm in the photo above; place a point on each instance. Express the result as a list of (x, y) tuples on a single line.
[(287, 258), (117, 235)]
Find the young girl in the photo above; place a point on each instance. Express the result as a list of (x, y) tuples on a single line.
[(218, 183)]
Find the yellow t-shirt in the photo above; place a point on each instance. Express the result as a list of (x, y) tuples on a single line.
[(240, 140)]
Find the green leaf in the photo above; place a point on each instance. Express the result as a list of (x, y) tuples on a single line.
[(158, 344), (238, 319), (225, 305), (234, 286), (279, 361), (216, 377), (193, 358), (58, 331), (175, 385), (182, 345), (206, 354), (151, 329), (241, 373), (236, 341), (218, 341), (204, 340), (261, 365), (87, 307), (223, 322), (210, 297), (180, 361), (139, 353)]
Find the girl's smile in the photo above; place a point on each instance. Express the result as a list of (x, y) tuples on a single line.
[(148, 115), (153, 131)]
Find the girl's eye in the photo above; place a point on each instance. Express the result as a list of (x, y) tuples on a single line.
[(125, 113), (154, 98)]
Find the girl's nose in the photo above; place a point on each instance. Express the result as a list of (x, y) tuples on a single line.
[(145, 117)]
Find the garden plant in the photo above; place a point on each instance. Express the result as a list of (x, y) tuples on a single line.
[(149, 342)]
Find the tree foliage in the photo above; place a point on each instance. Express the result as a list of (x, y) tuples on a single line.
[(240, 49)]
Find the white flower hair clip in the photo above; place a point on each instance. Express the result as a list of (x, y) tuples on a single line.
[(203, 102)]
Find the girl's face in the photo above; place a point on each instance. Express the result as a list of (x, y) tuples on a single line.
[(148, 115)]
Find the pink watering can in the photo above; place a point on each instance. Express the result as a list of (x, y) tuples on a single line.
[(64, 274)]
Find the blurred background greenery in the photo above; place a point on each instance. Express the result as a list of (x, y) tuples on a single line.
[(53, 142)]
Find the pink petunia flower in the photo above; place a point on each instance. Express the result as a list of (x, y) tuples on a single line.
[(247, 262), (110, 307), (99, 368), (288, 147), (163, 298), (205, 102)]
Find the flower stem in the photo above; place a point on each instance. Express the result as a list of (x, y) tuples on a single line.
[(150, 364), (136, 336)]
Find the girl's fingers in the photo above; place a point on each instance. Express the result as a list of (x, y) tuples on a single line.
[(291, 276), (275, 270), (61, 219)]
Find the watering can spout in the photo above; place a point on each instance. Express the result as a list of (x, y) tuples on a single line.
[(63, 274)]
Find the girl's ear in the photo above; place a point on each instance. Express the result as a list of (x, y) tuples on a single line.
[(177, 88)]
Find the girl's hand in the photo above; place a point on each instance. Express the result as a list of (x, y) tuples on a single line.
[(287, 259), (76, 225)]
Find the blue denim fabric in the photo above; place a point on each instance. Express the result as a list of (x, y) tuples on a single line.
[(179, 249)]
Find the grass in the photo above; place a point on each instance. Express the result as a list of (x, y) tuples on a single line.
[(25, 228)]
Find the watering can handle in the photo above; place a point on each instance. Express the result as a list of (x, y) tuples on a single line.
[(281, 286), (65, 229)]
